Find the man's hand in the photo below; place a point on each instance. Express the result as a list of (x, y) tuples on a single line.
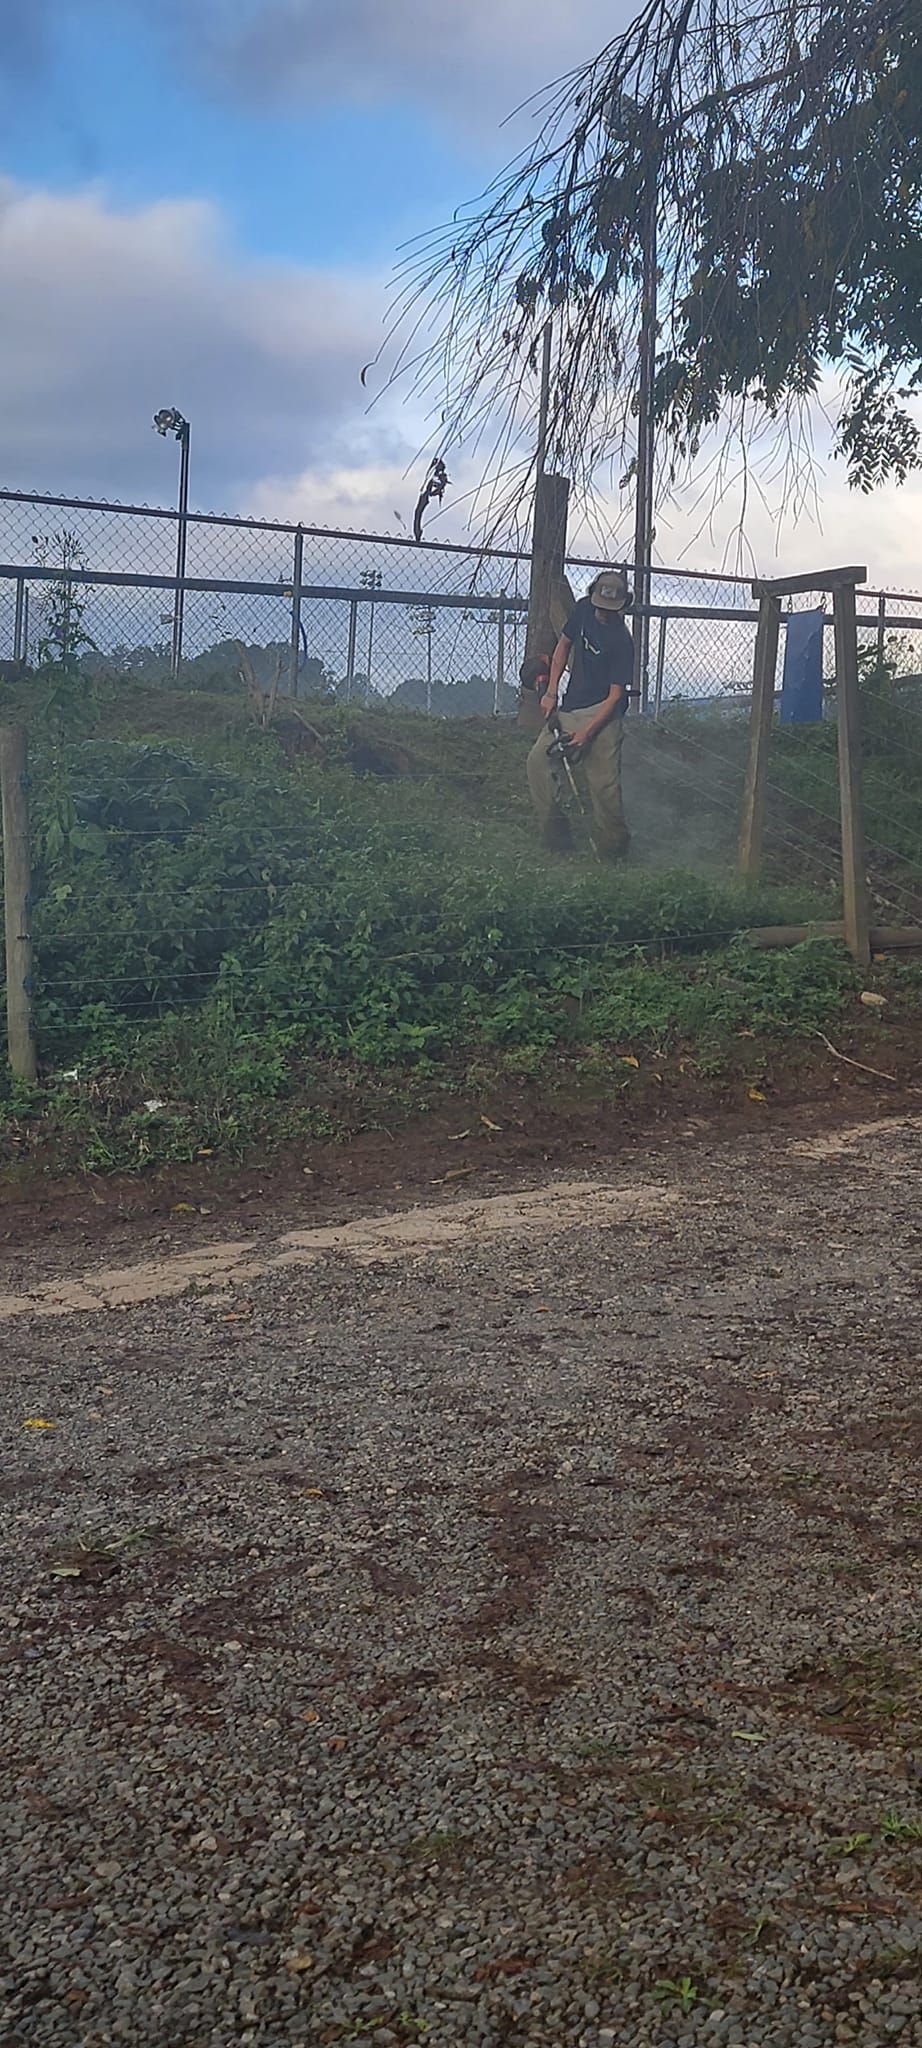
[(581, 740), (559, 661)]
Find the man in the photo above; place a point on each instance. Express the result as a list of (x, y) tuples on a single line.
[(598, 650)]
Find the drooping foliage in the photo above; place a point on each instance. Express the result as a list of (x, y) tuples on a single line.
[(782, 140)]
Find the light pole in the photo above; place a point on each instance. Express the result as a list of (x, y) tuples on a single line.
[(646, 433), (423, 617), (621, 115), (169, 421), (497, 619), (371, 579), (544, 402)]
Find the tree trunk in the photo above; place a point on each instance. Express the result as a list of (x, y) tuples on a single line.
[(548, 555)]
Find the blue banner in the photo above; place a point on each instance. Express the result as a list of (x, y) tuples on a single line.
[(802, 680)]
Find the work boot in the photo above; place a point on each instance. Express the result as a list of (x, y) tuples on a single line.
[(557, 836), (612, 849)]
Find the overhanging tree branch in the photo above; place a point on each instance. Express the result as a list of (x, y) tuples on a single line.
[(784, 136)]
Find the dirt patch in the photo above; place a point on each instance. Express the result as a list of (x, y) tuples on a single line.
[(528, 1130), (522, 1544), (402, 1234)]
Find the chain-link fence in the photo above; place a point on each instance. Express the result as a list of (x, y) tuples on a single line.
[(428, 626), (169, 890)]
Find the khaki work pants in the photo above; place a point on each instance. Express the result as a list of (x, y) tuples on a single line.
[(601, 765)]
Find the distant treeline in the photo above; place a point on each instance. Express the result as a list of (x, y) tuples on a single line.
[(216, 670)]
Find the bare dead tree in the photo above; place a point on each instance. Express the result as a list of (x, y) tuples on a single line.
[(785, 143), (262, 702)]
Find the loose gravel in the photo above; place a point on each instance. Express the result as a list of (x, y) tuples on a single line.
[(513, 1639)]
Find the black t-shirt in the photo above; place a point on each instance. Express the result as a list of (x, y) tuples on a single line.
[(602, 656)]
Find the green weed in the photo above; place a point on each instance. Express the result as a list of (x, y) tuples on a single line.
[(414, 2029), (95, 1558), (849, 1845), (762, 1920), (895, 1828), (677, 1991), (445, 1846)]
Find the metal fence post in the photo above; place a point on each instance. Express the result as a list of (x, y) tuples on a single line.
[(350, 657), (760, 729), (660, 666), (881, 628), (646, 422), (296, 608), (17, 904), (500, 654), (179, 606), (855, 893), (17, 621)]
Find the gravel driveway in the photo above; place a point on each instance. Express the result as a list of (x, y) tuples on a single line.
[(495, 1625)]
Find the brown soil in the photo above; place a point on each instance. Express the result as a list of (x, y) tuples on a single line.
[(515, 1129)]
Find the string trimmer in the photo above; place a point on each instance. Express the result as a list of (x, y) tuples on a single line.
[(562, 749)]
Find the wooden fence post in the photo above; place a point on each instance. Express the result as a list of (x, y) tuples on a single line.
[(17, 884), (760, 725), (548, 555), (855, 893)]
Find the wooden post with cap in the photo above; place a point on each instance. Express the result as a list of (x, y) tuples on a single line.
[(842, 583)]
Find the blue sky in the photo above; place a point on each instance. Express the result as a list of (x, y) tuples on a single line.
[(201, 203), (110, 100)]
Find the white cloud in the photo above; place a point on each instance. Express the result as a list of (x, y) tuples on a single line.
[(793, 516), (372, 497), (110, 314), (881, 532), (477, 59)]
